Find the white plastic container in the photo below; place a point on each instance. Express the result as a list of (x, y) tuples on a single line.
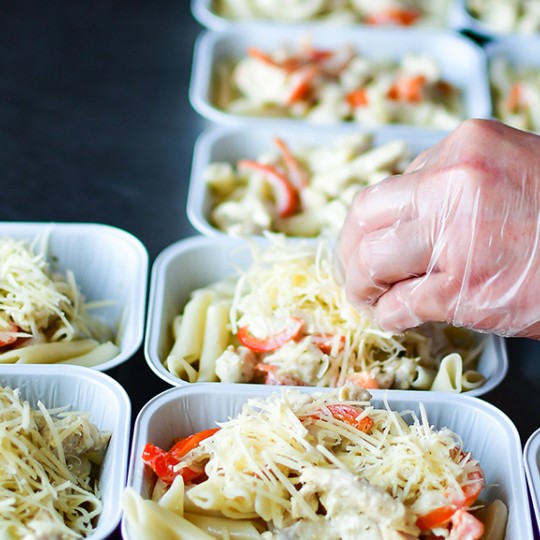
[(203, 12), (532, 470), (462, 62), (462, 19), (108, 264), (232, 144), (198, 261), (486, 432), (89, 391)]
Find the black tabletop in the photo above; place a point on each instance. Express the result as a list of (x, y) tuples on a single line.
[(96, 126)]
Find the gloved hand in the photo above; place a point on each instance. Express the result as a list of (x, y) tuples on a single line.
[(455, 238)]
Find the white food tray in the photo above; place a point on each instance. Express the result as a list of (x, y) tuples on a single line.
[(462, 62), (462, 19), (532, 470), (198, 261), (519, 51), (205, 15), (108, 264), (107, 402), (232, 144), (486, 431)]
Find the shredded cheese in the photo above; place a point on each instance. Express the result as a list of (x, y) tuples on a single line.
[(270, 460), (292, 279), (39, 306), (48, 486)]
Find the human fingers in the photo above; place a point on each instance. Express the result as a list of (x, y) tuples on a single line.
[(385, 257), (375, 207), (409, 303)]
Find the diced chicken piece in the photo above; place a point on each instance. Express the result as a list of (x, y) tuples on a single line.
[(236, 365)]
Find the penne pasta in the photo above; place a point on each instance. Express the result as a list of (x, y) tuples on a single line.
[(215, 340)]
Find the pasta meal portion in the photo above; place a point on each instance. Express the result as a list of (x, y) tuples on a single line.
[(285, 320), (303, 191), (339, 85), (516, 94), (49, 471), (321, 466), (380, 13), (519, 16), (43, 314)]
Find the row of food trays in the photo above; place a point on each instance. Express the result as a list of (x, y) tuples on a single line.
[(223, 327)]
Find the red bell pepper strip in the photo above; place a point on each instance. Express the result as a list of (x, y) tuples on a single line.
[(514, 98), (396, 16), (304, 84), (8, 337), (162, 462), (471, 490), (270, 343), (407, 89), (325, 342), (297, 174), (357, 98), (348, 414), (289, 65), (286, 196)]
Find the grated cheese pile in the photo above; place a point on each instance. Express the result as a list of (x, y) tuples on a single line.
[(37, 304), (284, 454), (48, 460), (292, 279)]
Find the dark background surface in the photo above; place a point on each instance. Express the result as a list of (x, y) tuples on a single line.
[(96, 126)]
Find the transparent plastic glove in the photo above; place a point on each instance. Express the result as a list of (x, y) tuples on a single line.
[(455, 238)]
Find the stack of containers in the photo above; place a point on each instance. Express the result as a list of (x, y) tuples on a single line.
[(196, 262)]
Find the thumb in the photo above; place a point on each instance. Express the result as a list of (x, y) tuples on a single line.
[(414, 301)]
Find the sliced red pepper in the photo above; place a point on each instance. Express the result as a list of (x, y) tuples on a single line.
[(182, 447), (286, 196), (407, 89), (514, 97), (436, 518), (348, 414), (397, 16), (304, 84), (357, 98), (325, 342), (319, 55), (271, 343), (271, 377), (8, 337), (291, 64), (162, 462), (297, 174), (442, 515)]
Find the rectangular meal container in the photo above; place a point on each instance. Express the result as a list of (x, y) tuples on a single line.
[(108, 264), (206, 14), (198, 261), (520, 53), (108, 404), (464, 20), (532, 471), (461, 61), (230, 144), (487, 432)]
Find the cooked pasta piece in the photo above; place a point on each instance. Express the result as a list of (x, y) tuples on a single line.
[(319, 466), (290, 323)]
